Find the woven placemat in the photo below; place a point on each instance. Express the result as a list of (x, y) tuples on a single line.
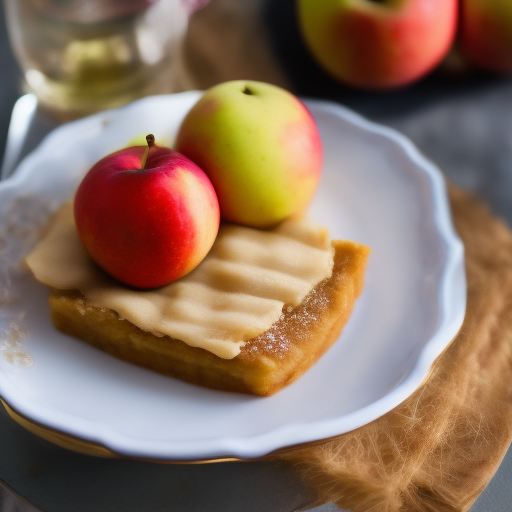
[(439, 449)]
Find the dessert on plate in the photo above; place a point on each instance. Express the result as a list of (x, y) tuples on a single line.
[(258, 306), (247, 319)]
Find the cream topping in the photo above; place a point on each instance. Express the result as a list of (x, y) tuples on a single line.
[(236, 293)]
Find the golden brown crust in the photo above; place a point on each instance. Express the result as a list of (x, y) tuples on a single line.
[(266, 364)]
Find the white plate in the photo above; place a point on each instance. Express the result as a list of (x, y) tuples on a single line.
[(376, 189)]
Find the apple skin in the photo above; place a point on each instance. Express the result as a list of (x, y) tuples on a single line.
[(146, 227), (378, 44), (486, 34), (260, 147)]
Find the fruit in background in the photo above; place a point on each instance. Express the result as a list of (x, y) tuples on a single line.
[(260, 147), (147, 216), (378, 44), (486, 34)]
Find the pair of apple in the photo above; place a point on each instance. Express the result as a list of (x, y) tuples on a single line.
[(379, 44), (248, 152)]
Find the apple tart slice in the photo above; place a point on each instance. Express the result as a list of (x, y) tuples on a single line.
[(260, 309)]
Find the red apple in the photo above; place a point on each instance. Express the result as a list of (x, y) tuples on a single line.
[(378, 44), (486, 34), (147, 216)]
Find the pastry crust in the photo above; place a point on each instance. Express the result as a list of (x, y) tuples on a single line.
[(266, 363)]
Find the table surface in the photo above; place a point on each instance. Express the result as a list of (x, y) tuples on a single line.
[(461, 122)]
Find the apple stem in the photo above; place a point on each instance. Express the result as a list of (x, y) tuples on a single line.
[(150, 139)]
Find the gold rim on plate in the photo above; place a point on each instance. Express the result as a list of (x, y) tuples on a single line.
[(89, 448)]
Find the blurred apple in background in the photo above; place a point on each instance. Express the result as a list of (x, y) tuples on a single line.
[(260, 147), (378, 44), (486, 34)]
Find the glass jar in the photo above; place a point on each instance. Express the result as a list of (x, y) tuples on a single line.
[(82, 56)]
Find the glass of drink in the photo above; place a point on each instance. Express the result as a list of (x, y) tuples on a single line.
[(82, 56)]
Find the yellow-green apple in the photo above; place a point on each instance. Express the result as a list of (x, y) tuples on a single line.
[(486, 34), (147, 216), (260, 147), (378, 44)]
